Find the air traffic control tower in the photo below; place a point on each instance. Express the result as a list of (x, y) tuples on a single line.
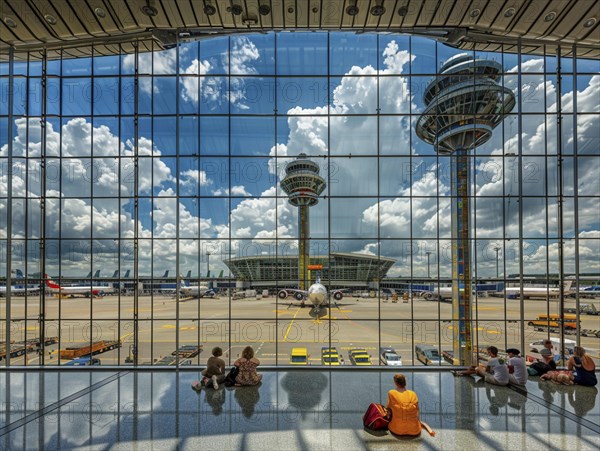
[(463, 105), (303, 185)]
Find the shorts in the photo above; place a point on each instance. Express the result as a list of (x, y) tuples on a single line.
[(490, 379)]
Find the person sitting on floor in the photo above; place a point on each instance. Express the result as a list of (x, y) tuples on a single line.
[(583, 367), (215, 369), (247, 364), (404, 405), (580, 370), (495, 372), (517, 370), (555, 352), (543, 365)]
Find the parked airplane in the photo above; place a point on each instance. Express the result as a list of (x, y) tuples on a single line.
[(85, 290), (198, 291), (19, 290), (316, 294), (438, 293), (539, 292), (589, 292)]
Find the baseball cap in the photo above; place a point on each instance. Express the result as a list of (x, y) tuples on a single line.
[(513, 351), (545, 352)]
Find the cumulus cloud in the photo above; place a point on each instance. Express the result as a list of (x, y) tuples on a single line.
[(157, 63), (413, 210), (191, 179), (237, 190), (211, 90), (193, 85)]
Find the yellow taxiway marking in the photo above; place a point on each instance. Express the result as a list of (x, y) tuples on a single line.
[(489, 331), (487, 308), (172, 326), (287, 331)]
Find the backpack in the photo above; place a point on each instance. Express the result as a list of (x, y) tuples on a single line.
[(376, 417), (230, 378), (539, 368)]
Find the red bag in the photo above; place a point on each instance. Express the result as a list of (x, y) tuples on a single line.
[(376, 417)]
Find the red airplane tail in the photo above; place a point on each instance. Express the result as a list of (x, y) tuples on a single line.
[(52, 284)]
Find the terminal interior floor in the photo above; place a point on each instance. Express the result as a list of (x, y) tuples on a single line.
[(291, 409)]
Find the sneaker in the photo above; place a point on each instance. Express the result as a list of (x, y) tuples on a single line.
[(214, 382)]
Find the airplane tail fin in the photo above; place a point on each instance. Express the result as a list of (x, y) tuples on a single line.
[(567, 285), (19, 274), (189, 274), (97, 274), (115, 274), (166, 274), (127, 274), (52, 284), (221, 274)]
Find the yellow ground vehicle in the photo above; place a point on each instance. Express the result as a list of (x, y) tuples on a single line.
[(359, 357), (568, 321), (330, 356), (299, 356)]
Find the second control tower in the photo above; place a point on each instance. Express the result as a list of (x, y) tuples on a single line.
[(303, 185), (463, 105)]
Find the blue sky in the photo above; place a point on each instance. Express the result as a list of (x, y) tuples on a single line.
[(368, 199)]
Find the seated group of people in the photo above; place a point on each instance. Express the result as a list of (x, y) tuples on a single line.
[(580, 368), (245, 373)]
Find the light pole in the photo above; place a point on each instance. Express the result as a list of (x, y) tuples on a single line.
[(428, 254), (497, 249)]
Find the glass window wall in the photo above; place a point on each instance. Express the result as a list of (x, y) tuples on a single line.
[(142, 208)]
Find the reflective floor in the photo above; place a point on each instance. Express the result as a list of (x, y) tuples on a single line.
[(289, 410)]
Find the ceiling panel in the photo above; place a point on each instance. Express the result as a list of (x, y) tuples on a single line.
[(482, 24), (442, 13)]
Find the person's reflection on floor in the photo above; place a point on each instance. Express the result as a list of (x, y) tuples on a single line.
[(516, 400), (304, 390), (247, 398), (548, 390), (497, 396), (582, 399), (215, 399)]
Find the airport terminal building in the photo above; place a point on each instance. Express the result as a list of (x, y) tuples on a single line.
[(209, 153), (339, 270)]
